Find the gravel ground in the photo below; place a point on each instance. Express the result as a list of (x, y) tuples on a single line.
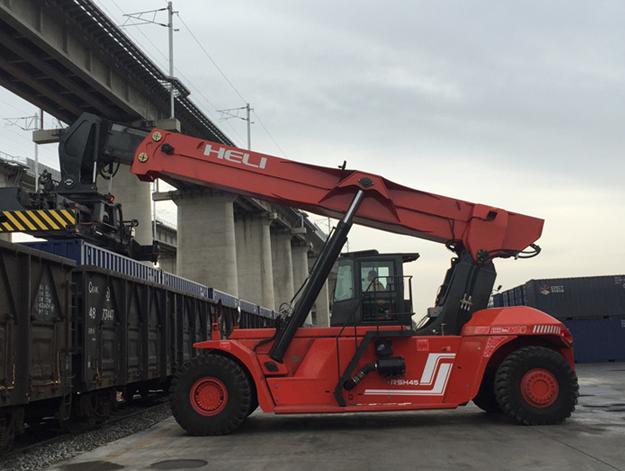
[(46, 455)]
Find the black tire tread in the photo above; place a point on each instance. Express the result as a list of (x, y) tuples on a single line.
[(227, 421), (569, 391), (253, 404), (485, 398)]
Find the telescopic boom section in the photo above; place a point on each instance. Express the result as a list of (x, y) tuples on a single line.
[(484, 231)]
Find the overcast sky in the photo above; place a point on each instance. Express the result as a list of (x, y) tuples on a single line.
[(519, 105)]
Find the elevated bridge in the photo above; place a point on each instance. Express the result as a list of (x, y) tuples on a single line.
[(68, 57)]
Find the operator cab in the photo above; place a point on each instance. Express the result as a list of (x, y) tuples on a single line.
[(371, 289)]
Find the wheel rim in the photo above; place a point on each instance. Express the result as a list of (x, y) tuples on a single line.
[(208, 396), (539, 388)]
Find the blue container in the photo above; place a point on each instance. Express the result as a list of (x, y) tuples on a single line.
[(266, 313), (597, 340), (498, 300), (184, 285), (84, 253), (570, 298), (226, 299), (248, 307)]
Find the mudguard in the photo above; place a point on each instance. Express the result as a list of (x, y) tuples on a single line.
[(497, 331)]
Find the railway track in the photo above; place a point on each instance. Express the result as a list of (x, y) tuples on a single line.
[(33, 448)]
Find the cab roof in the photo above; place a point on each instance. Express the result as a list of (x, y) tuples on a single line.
[(405, 257)]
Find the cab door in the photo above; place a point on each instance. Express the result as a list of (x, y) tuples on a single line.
[(378, 286), (346, 305)]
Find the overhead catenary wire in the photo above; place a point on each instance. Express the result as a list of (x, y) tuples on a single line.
[(229, 82), (13, 132), (262, 125), (179, 72), (217, 67), (210, 58)]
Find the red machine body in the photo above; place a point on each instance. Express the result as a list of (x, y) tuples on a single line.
[(441, 371)]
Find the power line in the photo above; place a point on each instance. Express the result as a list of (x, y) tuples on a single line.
[(143, 18), (229, 82), (234, 113), (225, 77), (30, 123), (178, 71), (262, 125), (219, 69)]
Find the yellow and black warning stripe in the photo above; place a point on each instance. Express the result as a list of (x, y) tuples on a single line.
[(37, 220)]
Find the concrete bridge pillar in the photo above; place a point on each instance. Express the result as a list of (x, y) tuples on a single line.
[(282, 260), (254, 259), (136, 199), (206, 239), (299, 249), (322, 307)]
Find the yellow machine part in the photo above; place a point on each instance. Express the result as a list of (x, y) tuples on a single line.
[(37, 220)]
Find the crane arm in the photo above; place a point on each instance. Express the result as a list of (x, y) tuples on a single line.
[(478, 233), (483, 231)]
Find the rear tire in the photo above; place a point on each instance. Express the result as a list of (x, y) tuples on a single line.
[(211, 395), (253, 405), (485, 398), (536, 386)]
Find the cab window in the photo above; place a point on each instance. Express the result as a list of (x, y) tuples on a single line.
[(344, 282), (377, 276)]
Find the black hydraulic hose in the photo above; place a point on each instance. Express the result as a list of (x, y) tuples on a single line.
[(351, 383)]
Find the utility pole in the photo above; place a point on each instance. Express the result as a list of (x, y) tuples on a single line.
[(149, 17), (235, 113), (29, 123), (37, 152), (170, 27), (249, 122)]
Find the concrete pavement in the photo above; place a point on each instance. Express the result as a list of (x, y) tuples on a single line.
[(467, 439)]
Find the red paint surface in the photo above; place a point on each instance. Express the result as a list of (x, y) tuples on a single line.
[(317, 356), (539, 388), (208, 396), (329, 191)]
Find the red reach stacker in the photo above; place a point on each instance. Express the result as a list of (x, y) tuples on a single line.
[(516, 360)]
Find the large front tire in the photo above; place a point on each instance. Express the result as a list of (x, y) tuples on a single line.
[(210, 396), (536, 386), (485, 398)]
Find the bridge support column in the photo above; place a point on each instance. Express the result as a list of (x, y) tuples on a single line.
[(206, 239), (299, 250), (322, 307), (254, 259), (136, 199), (281, 257)]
